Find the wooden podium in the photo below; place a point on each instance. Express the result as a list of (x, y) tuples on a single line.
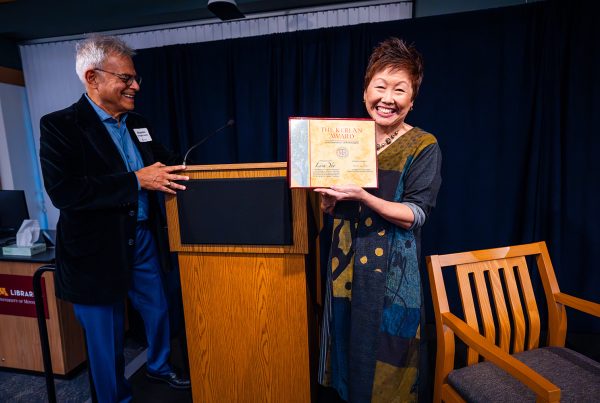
[(246, 307)]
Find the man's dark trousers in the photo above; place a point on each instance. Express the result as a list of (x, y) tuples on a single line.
[(104, 324)]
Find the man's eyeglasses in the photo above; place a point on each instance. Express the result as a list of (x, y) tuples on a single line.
[(126, 78)]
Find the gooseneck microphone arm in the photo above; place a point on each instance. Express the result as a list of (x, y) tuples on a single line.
[(231, 122)]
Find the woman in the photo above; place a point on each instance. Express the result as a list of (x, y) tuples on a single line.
[(373, 274)]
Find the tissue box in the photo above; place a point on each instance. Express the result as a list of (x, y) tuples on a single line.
[(14, 250)]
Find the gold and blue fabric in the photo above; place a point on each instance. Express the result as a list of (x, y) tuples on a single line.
[(373, 305)]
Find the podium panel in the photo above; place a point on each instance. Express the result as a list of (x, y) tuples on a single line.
[(258, 209), (246, 321), (245, 305)]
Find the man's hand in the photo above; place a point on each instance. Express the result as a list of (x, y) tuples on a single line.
[(160, 177)]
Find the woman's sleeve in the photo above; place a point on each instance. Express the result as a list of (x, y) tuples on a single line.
[(423, 182)]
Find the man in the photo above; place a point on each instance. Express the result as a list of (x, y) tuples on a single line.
[(102, 169)]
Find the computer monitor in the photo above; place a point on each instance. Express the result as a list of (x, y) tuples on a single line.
[(13, 210)]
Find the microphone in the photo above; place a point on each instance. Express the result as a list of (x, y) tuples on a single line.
[(231, 122)]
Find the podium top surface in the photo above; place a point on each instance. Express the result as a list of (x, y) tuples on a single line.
[(234, 167)]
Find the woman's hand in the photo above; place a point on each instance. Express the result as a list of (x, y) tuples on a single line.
[(394, 212), (327, 201), (330, 196), (348, 192)]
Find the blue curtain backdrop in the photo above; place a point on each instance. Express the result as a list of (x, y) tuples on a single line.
[(512, 95)]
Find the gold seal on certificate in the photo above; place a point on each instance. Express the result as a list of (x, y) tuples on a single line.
[(327, 152)]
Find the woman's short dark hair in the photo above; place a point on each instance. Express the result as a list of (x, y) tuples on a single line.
[(398, 55)]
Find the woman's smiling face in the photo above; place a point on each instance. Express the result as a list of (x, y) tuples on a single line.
[(388, 98)]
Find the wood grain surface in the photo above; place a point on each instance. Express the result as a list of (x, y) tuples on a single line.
[(247, 330), (20, 345)]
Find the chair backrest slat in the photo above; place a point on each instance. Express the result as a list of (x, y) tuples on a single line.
[(466, 296), (533, 314), (501, 309), (485, 309), (514, 300)]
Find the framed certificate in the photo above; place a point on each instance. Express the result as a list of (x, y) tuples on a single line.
[(327, 151)]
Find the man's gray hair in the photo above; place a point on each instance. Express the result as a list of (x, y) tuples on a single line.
[(93, 51)]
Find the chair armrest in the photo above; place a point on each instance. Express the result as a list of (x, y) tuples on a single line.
[(543, 388), (582, 305)]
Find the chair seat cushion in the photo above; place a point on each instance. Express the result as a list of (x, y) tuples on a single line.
[(576, 375)]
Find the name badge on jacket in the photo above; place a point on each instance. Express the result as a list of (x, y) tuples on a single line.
[(143, 135)]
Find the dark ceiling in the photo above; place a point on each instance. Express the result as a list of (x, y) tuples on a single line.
[(22, 20), (25, 20)]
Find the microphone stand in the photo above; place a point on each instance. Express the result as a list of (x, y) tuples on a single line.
[(231, 122)]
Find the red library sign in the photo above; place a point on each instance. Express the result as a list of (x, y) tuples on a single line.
[(16, 296)]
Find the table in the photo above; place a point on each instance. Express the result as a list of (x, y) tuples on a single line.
[(20, 346)]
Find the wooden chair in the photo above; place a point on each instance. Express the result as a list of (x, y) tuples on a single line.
[(504, 328)]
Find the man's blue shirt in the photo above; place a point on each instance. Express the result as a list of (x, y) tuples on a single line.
[(129, 152)]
